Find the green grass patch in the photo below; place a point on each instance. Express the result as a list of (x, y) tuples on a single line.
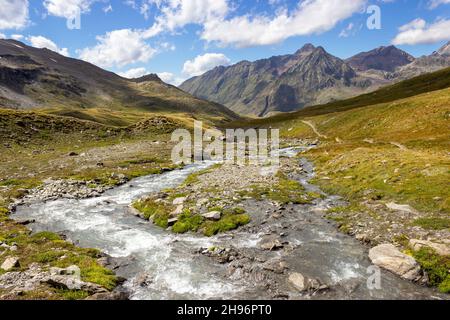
[(150, 208), (74, 294), (433, 223), (188, 222), (226, 223), (436, 266)]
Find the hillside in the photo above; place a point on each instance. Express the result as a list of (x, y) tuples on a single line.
[(32, 78), (422, 84), (309, 77)]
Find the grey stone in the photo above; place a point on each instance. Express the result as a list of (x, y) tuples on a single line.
[(10, 263)]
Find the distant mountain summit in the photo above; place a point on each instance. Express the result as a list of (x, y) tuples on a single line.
[(382, 58), (308, 77), (279, 84), (445, 50)]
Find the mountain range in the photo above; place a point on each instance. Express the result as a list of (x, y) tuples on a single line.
[(32, 78), (310, 76)]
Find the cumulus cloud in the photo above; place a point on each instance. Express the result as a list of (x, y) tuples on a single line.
[(179, 13), (118, 48), (134, 73), (2, 36), (67, 8), (419, 32), (169, 77), (13, 14), (203, 63), (43, 42), (310, 17), (17, 37)]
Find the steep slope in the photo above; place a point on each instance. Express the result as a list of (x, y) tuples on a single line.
[(279, 84), (383, 59), (39, 78), (311, 76)]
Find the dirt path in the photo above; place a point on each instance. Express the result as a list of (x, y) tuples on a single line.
[(313, 127)]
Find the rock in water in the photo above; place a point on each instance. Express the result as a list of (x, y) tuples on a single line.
[(387, 256), (298, 281), (10, 263)]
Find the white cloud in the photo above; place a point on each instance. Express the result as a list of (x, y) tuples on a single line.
[(436, 3), (13, 14), (118, 48), (179, 13), (419, 32), (134, 73), (169, 77), (42, 42), (17, 37), (2, 36), (310, 17), (67, 8), (204, 63), (166, 76)]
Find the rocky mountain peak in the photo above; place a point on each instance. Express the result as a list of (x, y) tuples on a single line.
[(307, 48), (445, 50), (385, 58)]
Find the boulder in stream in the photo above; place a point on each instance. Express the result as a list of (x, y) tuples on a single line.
[(388, 257)]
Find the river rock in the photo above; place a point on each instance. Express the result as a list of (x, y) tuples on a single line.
[(387, 256), (10, 263), (213, 215), (440, 248), (73, 283), (298, 281), (271, 244)]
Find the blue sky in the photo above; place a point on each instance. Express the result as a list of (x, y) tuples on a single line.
[(182, 38)]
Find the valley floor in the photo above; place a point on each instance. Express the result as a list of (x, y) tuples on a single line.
[(392, 176)]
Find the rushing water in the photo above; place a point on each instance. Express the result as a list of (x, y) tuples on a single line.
[(168, 261)]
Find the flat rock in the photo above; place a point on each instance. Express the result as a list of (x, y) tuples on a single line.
[(440, 248), (10, 263), (213, 215), (387, 256), (400, 207)]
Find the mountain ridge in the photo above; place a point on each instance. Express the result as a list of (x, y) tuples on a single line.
[(308, 77), (32, 78)]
